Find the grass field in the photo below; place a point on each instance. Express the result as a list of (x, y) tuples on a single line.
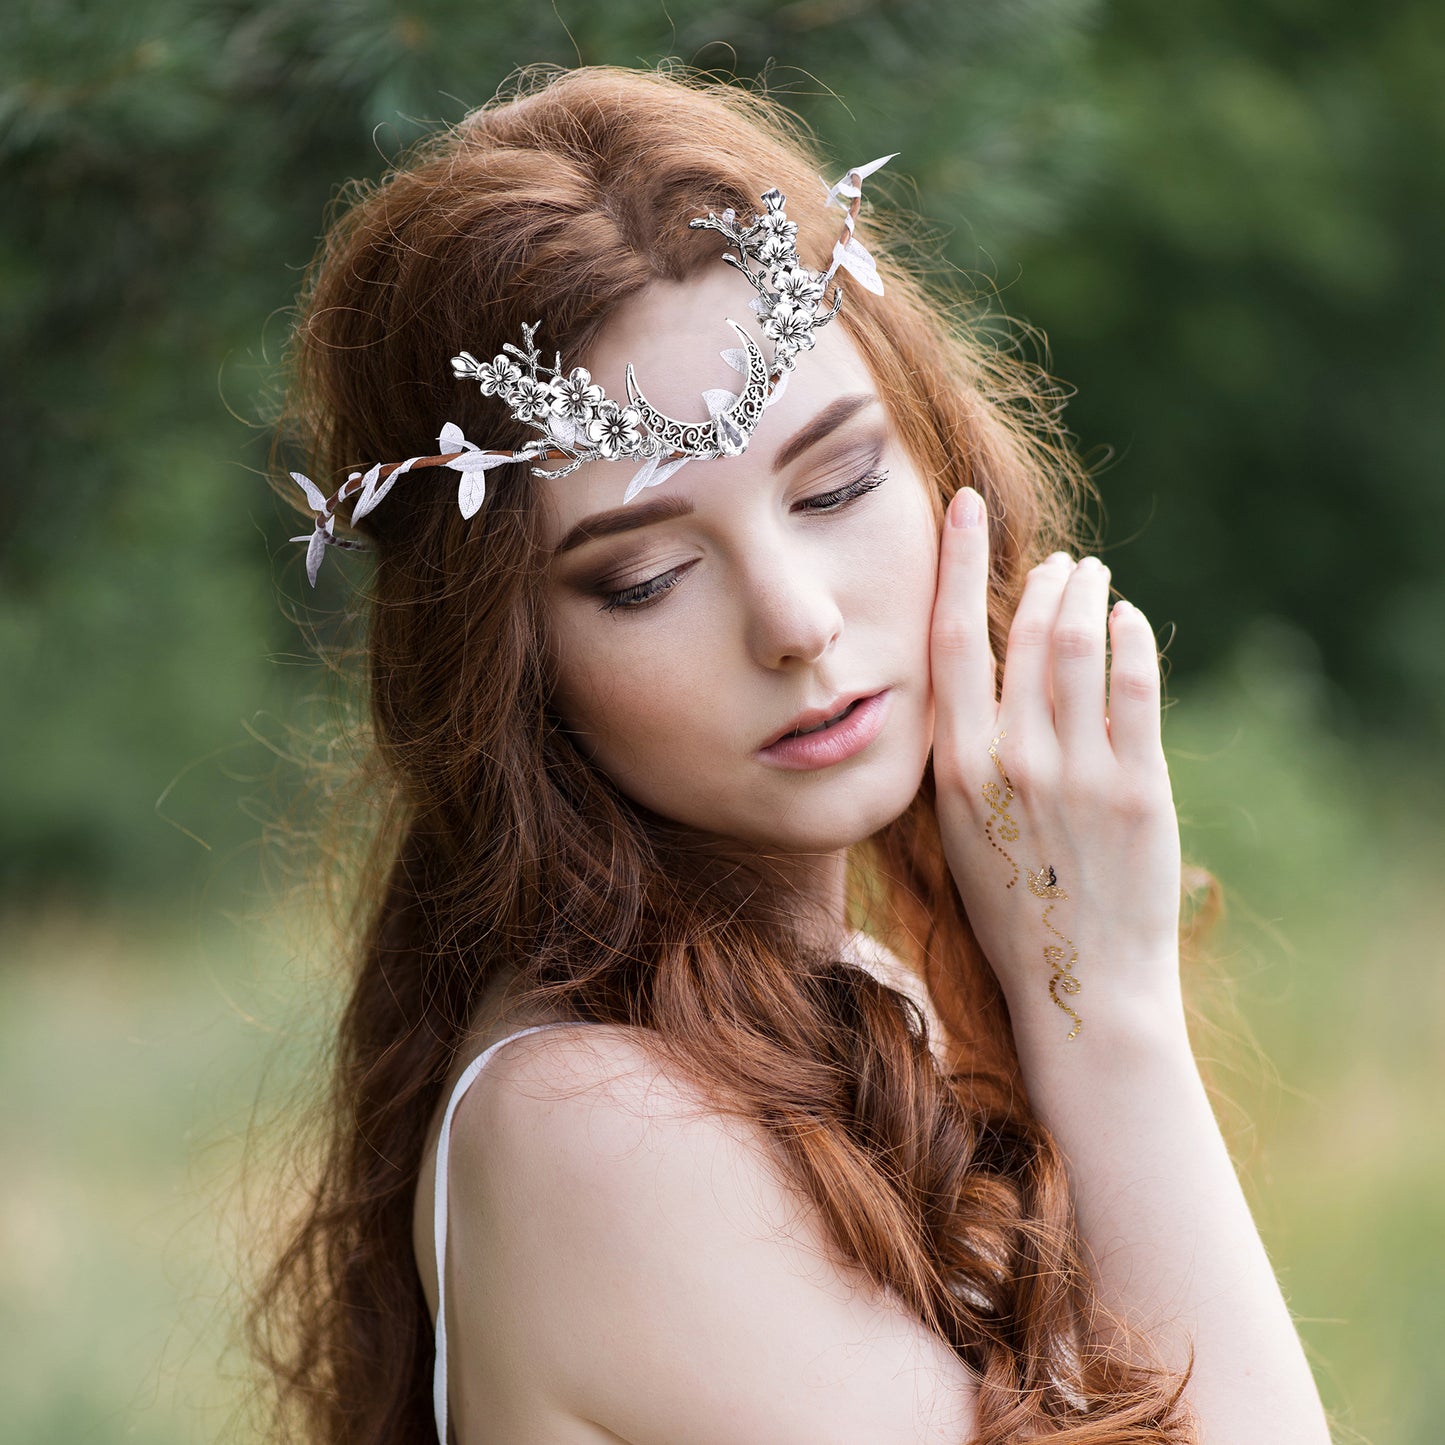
[(132, 1048)]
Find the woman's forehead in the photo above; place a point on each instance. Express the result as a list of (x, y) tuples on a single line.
[(673, 334)]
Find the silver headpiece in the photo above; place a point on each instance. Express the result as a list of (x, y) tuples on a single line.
[(578, 423)]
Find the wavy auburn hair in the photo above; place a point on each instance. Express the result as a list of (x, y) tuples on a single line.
[(497, 846)]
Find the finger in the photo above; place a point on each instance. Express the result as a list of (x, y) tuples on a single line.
[(1026, 685), (960, 654), (1134, 725), (1078, 660)]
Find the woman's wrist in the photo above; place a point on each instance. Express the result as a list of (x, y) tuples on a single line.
[(1119, 1017)]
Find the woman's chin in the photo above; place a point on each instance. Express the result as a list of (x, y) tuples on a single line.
[(828, 826)]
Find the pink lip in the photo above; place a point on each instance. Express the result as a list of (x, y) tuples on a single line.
[(831, 745)]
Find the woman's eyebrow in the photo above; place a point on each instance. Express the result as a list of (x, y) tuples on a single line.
[(665, 509), (623, 519), (828, 420)]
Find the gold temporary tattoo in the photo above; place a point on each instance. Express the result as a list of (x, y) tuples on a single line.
[(1044, 885), (1007, 829)]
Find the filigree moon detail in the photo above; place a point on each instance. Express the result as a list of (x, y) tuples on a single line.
[(727, 433)]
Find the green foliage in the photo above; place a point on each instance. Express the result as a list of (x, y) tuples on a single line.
[(1249, 305), (1332, 949)]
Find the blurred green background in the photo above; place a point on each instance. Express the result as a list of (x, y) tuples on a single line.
[(1224, 217)]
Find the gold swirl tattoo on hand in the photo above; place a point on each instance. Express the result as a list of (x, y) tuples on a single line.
[(1044, 884)]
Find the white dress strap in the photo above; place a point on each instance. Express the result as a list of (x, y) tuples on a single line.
[(439, 1216)]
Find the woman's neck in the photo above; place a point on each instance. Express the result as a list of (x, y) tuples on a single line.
[(817, 885)]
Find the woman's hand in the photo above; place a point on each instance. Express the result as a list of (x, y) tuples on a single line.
[(1056, 811)]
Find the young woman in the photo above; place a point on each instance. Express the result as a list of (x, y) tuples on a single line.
[(772, 945)]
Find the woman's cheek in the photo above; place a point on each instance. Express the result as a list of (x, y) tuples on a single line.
[(626, 698), (903, 566)]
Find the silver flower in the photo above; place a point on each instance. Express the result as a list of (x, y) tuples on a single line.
[(615, 430), (775, 223), (791, 327), (529, 399), (574, 396), (499, 375), (774, 250), (798, 285)]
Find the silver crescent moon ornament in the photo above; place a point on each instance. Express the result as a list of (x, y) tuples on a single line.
[(727, 433)]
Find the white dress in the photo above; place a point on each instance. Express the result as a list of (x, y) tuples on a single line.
[(859, 947)]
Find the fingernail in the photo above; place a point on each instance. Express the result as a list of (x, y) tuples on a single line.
[(966, 509)]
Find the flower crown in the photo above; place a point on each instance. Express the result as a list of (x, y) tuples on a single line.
[(576, 420)]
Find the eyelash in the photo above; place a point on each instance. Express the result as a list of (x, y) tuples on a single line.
[(632, 598)]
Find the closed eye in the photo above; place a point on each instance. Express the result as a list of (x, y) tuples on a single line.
[(832, 501), (642, 593)]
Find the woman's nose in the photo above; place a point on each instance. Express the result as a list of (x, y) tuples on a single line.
[(793, 616)]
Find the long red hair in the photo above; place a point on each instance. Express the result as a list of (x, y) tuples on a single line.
[(497, 846)]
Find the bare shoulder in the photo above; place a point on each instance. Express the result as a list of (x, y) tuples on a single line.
[(645, 1259), (595, 1093), (598, 1063)]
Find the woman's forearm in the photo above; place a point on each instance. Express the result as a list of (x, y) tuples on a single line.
[(1174, 1248)]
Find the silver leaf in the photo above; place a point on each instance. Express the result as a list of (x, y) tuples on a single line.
[(666, 469), (477, 461), (642, 477), (314, 498), (315, 551), (718, 399), (845, 187), (389, 483), (472, 492), (452, 440), (369, 496), (854, 259)]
